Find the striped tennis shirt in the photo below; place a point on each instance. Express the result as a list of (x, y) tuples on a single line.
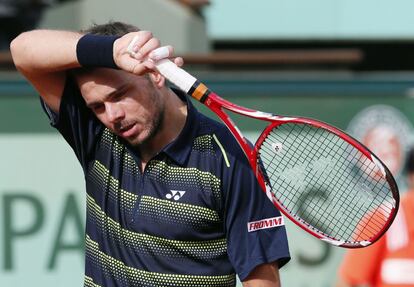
[(184, 220)]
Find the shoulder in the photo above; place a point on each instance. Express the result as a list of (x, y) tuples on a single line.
[(217, 138), (221, 135)]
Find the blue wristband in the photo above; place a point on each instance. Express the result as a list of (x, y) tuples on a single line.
[(96, 51)]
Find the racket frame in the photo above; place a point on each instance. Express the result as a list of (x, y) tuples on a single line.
[(215, 103)]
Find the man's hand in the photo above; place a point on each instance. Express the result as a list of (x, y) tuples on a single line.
[(142, 59)]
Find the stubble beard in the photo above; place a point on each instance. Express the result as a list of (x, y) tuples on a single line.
[(152, 129)]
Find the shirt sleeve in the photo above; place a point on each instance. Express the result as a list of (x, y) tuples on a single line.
[(255, 229), (75, 121)]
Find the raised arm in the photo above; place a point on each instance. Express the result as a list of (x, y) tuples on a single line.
[(44, 56)]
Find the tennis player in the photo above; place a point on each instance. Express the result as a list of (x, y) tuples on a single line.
[(171, 198)]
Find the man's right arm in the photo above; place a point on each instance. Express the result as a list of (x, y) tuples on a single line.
[(43, 56)]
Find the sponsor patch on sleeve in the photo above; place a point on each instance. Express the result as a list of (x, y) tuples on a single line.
[(265, 223)]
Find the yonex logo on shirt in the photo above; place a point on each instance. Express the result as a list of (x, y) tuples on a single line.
[(175, 194)]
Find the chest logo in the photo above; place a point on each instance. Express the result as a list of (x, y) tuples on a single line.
[(175, 194)]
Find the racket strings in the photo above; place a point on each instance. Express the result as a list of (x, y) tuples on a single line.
[(344, 231), (319, 179), (325, 182)]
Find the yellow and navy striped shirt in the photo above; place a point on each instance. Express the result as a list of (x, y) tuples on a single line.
[(183, 221)]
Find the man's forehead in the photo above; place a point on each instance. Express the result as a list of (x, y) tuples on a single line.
[(101, 83), (100, 75), (104, 78)]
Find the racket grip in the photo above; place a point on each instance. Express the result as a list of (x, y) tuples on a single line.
[(175, 75)]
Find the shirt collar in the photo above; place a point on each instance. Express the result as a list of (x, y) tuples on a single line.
[(180, 149)]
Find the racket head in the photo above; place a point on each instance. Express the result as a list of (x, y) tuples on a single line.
[(326, 182)]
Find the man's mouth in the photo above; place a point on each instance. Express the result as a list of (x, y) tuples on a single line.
[(127, 130)]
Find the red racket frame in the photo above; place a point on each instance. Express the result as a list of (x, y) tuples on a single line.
[(201, 93), (216, 104)]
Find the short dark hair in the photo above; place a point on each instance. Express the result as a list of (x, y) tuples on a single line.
[(111, 29)]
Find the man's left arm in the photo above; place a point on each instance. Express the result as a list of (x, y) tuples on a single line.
[(265, 275)]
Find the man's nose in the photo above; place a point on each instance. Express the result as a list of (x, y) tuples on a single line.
[(115, 112)]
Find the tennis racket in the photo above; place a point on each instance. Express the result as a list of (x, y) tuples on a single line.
[(319, 177)]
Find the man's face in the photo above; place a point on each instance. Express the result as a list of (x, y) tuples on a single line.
[(129, 105)]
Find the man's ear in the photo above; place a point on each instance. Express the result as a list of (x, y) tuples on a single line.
[(157, 79)]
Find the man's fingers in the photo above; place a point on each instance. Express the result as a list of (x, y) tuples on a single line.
[(144, 67), (147, 48), (161, 53), (139, 40), (179, 61), (146, 51), (132, 47), (149, 65)]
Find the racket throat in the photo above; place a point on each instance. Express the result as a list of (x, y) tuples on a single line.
[(199, 91)]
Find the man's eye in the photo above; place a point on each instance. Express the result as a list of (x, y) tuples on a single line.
[(98, 108)]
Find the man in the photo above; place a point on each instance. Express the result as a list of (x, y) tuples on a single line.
[(390, 261), (169, 192)]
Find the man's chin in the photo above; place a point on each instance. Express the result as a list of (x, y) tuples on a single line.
[(133, 141), (139, 140)]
